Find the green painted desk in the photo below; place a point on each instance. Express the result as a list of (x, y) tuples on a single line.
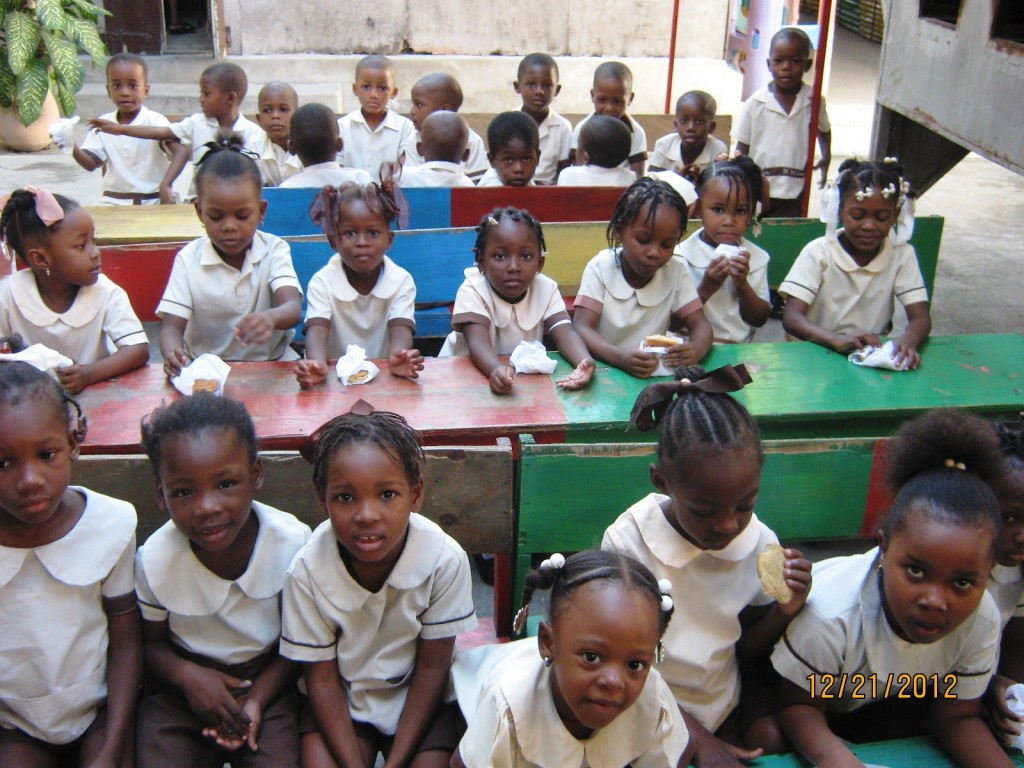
[(802, 390)]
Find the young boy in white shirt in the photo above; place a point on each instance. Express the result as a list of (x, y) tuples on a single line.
[(537, 83), (611, 95), (373, 134), (276, 104), (603, 149), (436, 92), (691, 147), (443, 144), (314, 138)]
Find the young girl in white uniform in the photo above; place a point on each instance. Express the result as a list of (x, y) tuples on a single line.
[(505, 300), (70, 656), (62, 300), (361, 296), (209, 584), (234, 292), (373, 602), (733, 287), (903, 639), (636, 288), (585, 692), (700, 532)]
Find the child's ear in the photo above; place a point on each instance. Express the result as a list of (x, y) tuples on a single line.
[(658, 479), (161, 501), (38, 258), (257, 474), (712, 125), (199, 212), (391, 237), (339, 144), (558, 90), (417, 493), (465, 155), (694, 211), (78, 427), (540, 263), (263, 210), (490, 159), (546, 641), (419, 148), (883, 543), (808, 64), (355, 89), (630, 100), (584, 157), (515, 86)]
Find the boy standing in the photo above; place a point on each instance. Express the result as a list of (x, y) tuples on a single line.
[(604, 144), (611, 95), (132, 168), (774, 124), (314, 138), (443, 145), (373, 134), (436, 92), (276, 103), (692, 146), (537, 83)]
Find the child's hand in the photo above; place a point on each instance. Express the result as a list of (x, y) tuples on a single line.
[(822, 165), (72, 378), (715, 275), (233, 741), (310, 373), (167, 195), (739, 267), (1001, 719), (580, 376), (407, 363), (907, 356), (501, 379), (712, 752), (105, 126), (680, 354), (690, 172), (845, 343), (797, 572), (255, 328), (173, 364), (640, 364), (210, 697)]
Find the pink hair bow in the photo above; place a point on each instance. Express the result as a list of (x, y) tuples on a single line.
[(47, 208)]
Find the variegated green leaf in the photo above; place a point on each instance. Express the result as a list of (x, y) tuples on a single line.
[(22, 34), (66, 99), (86, 8), (33, 84), (51, 15), (64, 60), (7, 84), (87, 38)]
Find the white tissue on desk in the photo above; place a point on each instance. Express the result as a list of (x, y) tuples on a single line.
[(878, 357), (659, 352), (62, 133), (204, 368), (531, 357), (1015, 701), (354, 368), (40, 356)]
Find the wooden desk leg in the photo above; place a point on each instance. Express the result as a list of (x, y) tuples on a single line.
[(503, 596)]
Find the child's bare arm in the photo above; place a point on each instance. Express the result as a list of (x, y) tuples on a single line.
[(323, 683), (153, 132), (763, 625), (798, 324), (697, 347), (86, 159), (804, 723), (958, 726), (286, 313), (742, 149), (124, 672), (180, 155), (572, 347), (313, 370), (632, 361), (709, 750), (486, 360), (403, 360), (426, 691), (75, 378), (825, 145), (919, 326), (279, 675), (172, 344), (637, 165), (753, 308)]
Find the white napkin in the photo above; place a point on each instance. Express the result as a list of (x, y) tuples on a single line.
[(41, 357), (1015, 701), (729, 251), (206, 368), (62, 133), (662, 369), (353, 363), (531, 357), (878, 357)]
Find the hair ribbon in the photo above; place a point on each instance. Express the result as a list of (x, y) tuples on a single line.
[(655, 399), (47, 208)]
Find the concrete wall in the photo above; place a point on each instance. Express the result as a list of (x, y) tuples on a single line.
[(956, 80), (559, 27)]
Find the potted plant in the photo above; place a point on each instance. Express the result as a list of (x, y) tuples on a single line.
[(39, 44)]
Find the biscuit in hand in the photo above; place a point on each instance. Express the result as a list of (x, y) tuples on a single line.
[(771, 568)]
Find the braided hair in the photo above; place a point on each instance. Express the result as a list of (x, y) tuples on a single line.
[(649, 193), (1010, 438), (858, 175), (192, 416), (20, 381), (227, 158), (330, 202), (19, 222), (493, 219)]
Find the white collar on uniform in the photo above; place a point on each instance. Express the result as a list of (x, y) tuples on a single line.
[(654, 294), (208, 256), (424, 545), (527, 313), (187, 587), (240, 125), (846, 263), (767, 96), (1006, 574), (391, 120), (669, 546), (544, 740), (699, 254), (387, 285), (441, 166), (87, 304), (88, 551)]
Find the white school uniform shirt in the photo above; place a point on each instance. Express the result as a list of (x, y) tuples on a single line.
[(710, 588), (508, 324), (196, 130), (366, 149), (53, 647), (842, 630), (373, 636), (214, 296), (130, 165), (638, 141), (476, 164), (228, 621), (722, 309), (668, 152), (628, 314), (329, 174), (492, 179), (357, 319), (436, 173), (1006, 585), (516, 724), (595, 176), (555, 142), (778, 141), (843, 295), (278, 165), (99, 322)]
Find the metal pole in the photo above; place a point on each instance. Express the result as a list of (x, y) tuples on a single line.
[(671, 57), (824, 24)]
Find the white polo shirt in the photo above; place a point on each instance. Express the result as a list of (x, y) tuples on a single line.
[(228, 621), (436, 173), (475, 165), (555, 142), (197, 130), (214, 296), (130, 165), (777, 140), (277, 164), (357, 319), (843, 295), (326, 174), (516, 724), (492, 179), (595, 176), (638, 142), (99, 322), (328, 615), (668, 153), (628, 314), (366, 149), (723, 308), (53, 647), (1006, 585), (842, 630), (526, 320), (709, 588)]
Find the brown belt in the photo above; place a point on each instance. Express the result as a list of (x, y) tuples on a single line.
[(136, 197)]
